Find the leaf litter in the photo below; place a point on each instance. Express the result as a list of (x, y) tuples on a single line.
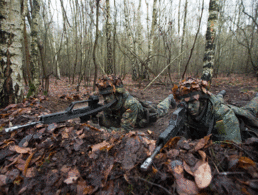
[(74, 158)]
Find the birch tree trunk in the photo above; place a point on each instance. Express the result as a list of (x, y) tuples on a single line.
[(11, 80), (95, 44), (34, 86), (114, 39), (182, 40), (139, 35), (152, 37), (208, 61), (130, 37), (58, 75), (109, 44), (25, 40)]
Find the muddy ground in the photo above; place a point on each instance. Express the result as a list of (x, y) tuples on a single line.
[(73, 158)]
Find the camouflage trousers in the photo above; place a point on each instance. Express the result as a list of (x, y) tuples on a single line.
[(248, 112)]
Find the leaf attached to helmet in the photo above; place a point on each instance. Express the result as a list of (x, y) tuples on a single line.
[(110, 84), (191, 89)]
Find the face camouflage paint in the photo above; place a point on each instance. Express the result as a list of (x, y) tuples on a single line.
[(108, 98), (194, 107)]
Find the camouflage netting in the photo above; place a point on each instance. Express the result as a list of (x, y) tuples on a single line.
[(190, 88), (73, 158)]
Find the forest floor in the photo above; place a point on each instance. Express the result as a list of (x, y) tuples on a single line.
[(74, 158)]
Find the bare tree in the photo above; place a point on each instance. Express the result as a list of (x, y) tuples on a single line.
[(183, 38), (11, 86), (108, 38), (208, 61), (34, 86), (95, 44)]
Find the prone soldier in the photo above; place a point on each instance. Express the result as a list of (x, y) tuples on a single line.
[(207, 113), (127, 112)]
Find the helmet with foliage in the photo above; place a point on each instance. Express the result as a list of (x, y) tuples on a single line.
[(108, 84), (191, 89)]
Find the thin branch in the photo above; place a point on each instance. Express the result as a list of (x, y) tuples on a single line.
[(163, 70), (154, 184), (65, 13), (254, 20), (195, 39)]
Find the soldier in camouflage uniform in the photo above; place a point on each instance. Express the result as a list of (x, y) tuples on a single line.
[(207, 113), (127, 112)]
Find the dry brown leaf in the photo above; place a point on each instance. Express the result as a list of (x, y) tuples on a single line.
[(202, 142), (172, 142), (203, 176), (173, 153), (71, 180), (20, 164), (73, 175), (97, 147), (154, 170), (19, 149), (186, 187), (31, 172), (187, 168), (203, 155), (245, 162), (2, 180), (88, 190), (80, 186), (65, 169)]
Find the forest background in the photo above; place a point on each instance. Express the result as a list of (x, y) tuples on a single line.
[(60, 47), (79, 39)]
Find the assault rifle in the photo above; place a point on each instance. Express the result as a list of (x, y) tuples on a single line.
[(84, 113), (176, 124)]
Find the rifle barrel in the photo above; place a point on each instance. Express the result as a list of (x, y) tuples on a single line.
[(21, 126)]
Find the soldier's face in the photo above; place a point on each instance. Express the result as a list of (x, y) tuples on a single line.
[(194, 107), (108, 98)]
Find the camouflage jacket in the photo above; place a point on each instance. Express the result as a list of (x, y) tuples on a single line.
[(219, 119), (126, 114), (223, 120), (129, 113)]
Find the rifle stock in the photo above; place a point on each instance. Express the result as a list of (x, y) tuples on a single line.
[(176, 124), (84, 113)]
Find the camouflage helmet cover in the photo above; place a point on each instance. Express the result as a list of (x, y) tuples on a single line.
[(191, 89), (110, 84)]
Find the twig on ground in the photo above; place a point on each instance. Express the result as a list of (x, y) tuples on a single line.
[(154, 184)]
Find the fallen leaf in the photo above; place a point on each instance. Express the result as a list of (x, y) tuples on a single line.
[(19, 149), (245, 162), (2, 180), (203, 176), (70, 180), (202, 142)]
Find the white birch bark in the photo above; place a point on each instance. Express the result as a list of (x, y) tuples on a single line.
[(182, 39), (11, 79), (58, 75), (34, 86), (208, 61), (130, 37)]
